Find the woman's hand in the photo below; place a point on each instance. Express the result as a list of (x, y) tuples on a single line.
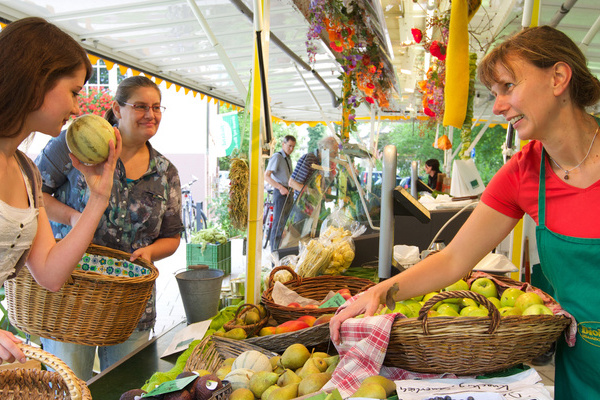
[(99, 177), (9, 351), (366, 303)]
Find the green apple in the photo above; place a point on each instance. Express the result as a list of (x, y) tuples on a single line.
[(445, 306), (414, 307), (400, 308), (465, 302), (537, 309), (485, 287), (495, 301), (509, 311), (528, 299), (448, 310), (509, 296), (459, 285), (466, 310), (478, 312), (417, 298), (429, 296), (432, 313)]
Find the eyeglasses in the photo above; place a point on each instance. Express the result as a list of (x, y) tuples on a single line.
[(142, 108)]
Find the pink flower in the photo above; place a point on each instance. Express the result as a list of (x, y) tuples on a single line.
[(417, 34)]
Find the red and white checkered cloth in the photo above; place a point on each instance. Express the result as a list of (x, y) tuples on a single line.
[(365, 342), (363, 348)]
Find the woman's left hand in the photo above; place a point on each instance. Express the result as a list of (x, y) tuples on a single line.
[(99, 177)]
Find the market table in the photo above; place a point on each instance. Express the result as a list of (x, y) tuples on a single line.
[(132, 371)]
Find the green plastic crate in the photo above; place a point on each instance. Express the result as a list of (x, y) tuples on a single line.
[(216, 256)]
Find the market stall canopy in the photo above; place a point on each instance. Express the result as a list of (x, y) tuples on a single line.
[(192, 43)]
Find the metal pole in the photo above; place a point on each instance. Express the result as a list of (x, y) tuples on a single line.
[(386, 225)]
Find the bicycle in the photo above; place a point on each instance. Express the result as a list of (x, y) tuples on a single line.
[(267, 218), (192, 215)]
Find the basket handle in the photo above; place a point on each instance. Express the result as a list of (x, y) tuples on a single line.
[(244, 307), (492, 310), (72, 382), (295, 276)]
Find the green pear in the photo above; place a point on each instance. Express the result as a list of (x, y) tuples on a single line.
[(236, 333), (251, 318), (288, 392), (241, 394), (275, 365), (261, 380), (313, 383), (309, 368), (294, 356), (371, 391), (332, 360), (287, 378), (228, 361), (387, 384), (268, 392)]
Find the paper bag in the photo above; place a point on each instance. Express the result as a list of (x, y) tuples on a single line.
[(466, 180)]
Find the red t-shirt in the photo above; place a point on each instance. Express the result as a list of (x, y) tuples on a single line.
[(570, 211)]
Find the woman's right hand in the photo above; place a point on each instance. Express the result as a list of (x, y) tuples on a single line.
[(367, 303), (9, 351)]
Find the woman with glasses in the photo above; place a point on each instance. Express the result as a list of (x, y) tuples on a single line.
[(144, 212)]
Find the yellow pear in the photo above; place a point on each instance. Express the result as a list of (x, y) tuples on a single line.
[(261, 380), (320, 363), (313, 383), (241, 394), (320, 354), (202, 372), (274, 361), (387, 384), (288, 377), (223, 371), (288, 392), (294, 356), (371, 391), (228, 361), (309, 368), (251, 317), (268, 392), (262, 311), (236, 333)]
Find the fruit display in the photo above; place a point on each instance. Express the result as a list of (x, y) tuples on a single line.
[(296, 372), (513, 301), (88, 137), (196, 385)]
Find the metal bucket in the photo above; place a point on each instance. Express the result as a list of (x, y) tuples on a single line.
[(200, 291)]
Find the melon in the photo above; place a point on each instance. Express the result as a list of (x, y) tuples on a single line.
[(239, 378), (254, 360), (88, 137)]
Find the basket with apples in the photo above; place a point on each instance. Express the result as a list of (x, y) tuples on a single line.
[(476, 326), (315, 288)]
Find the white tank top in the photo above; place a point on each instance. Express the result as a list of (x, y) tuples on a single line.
[(18, 227)]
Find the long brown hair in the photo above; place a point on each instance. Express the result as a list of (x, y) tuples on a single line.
[(34, 55), (125, 90), (543, 47)]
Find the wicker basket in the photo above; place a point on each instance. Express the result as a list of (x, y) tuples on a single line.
[(315, 288), (28, 384), (210, 353), (98, 306), (470, 345), (315, 336), (251, 329)]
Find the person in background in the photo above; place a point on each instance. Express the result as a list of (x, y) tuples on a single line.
[(304, 169), (432, 168), (278, 174), (143, 216), (42, 70), (542, 86)]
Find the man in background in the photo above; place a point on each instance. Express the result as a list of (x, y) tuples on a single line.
[(304, 169), (277, 175)]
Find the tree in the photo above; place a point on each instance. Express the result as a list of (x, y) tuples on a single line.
[(315, 134)]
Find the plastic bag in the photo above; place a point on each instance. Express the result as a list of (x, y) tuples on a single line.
[(340, 231), (314, 258), (338, 219)]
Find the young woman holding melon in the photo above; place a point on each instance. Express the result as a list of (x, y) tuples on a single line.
[(143, 216), (542, 87), (42, 70)]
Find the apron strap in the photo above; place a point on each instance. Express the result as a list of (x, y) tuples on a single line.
[(542, 191)]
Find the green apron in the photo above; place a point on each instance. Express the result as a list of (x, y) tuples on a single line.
[(572, 265)]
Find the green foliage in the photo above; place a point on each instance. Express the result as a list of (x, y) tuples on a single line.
[(488, 151), (315, 134), (218, 208)]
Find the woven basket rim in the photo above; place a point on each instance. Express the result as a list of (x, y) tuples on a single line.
[(250, 329)]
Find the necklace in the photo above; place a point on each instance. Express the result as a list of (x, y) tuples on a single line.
[(566, 171)]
